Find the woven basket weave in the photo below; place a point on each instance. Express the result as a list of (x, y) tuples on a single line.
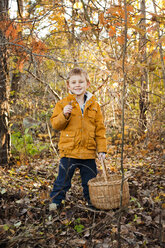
[(105, 191)]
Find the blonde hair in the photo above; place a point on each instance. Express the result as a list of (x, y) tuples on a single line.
[(77, 71)]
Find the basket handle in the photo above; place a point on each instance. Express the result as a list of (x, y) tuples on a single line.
[(104, 169)]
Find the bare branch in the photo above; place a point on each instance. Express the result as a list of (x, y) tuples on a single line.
[(49, 87)]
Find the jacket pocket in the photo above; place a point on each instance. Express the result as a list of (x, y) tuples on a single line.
[(67, 140), (92, 113), (91, 141)]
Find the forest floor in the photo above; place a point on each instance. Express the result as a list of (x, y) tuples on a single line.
[(25, 220)]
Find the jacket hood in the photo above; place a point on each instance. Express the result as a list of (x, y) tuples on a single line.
[(89, 95)]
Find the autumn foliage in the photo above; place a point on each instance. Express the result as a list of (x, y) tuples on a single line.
[(121, 45)]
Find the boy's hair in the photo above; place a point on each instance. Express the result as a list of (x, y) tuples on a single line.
[(77, 71)]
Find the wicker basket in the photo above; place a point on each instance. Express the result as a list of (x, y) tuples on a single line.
[(105, 191)]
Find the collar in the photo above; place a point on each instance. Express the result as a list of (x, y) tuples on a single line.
[(87, 94), (71, 98)]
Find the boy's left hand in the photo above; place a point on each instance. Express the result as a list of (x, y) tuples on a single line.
[(101, 155)]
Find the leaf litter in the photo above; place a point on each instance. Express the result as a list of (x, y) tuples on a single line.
[(25, 220)]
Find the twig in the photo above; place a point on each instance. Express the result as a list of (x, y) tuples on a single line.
[(89, 228), (21, 237), (92, 210), (54, 149), (49, 87), (128, 241), (160, 226), (148, 92)]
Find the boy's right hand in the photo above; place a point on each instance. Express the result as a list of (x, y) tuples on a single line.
[(67, 110)]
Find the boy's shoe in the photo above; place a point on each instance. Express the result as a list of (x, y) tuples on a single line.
[(54, 206)]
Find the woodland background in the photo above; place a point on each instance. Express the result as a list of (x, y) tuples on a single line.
[(121, 45)]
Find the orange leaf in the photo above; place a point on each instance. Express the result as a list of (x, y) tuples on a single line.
[(14, 34), (117, 24), (121, 13), (144, 152), (130, 8), (111, 151), (113, 169), (18, 163), (121, 40), (20, 65), (9, 31), (115, 10), (86, 28), (112, 31), (113, 28), (101, 18)]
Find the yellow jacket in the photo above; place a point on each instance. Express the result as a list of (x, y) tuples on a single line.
[(82, 135)]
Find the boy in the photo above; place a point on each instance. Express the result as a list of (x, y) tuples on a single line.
[(78, 116)]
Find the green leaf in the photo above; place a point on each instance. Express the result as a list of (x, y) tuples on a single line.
[(79, 228), (6, 227)]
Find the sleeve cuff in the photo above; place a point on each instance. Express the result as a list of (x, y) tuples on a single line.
[(65, 118)]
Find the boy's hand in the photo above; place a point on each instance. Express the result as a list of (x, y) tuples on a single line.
[(67, 110), (101, 155)]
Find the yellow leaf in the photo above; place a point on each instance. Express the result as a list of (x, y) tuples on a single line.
[(125, 132), (119, 135), (157, 199), (78, 5)]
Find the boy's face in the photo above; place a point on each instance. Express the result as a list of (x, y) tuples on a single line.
[(78, 84)]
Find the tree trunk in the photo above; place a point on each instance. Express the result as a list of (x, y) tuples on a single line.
[(160, 46), (4, 91), (15, 86), (143, 101), (15, 78)]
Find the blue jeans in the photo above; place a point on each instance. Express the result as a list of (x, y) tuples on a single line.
[(67, 167)]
